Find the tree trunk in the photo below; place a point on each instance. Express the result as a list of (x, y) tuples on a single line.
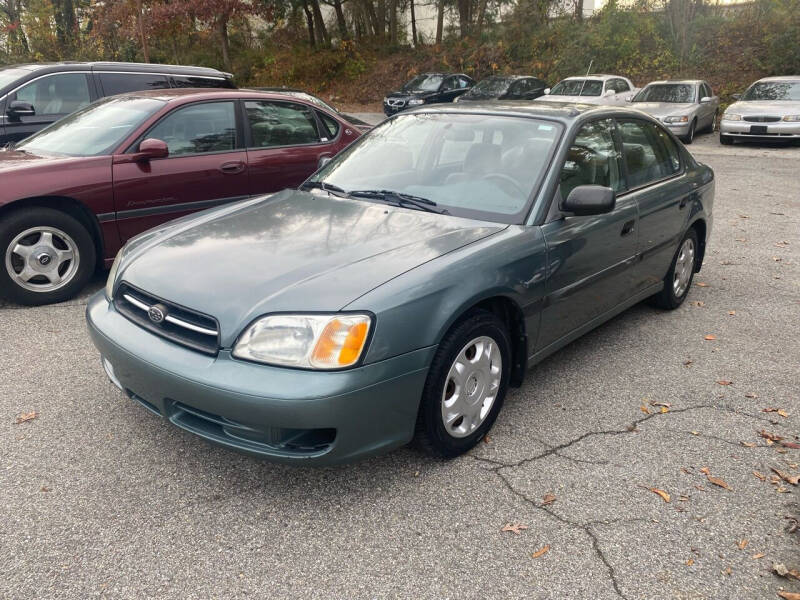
[(323, 37), (381, 18), (310, 24), (222, 30), (393, 22), (140, 27), (413, 25), (439, 22), (464, 17), (343, 31), (481, 17), (372, 16), (579, 10)]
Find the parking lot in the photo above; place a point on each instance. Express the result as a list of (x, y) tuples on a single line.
[(642, 461)]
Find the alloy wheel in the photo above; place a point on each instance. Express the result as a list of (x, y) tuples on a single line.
[(42, 259), (684, 266)]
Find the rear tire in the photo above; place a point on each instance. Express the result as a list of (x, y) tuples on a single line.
[(466, 386), (46, 256), (678, 280)]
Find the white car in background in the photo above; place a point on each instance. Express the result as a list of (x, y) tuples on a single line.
[(686, 106), (768, 110), (591, 89)]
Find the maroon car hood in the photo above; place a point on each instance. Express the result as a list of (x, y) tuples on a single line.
[(13, 160)]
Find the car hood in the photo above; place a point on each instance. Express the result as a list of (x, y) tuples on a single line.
[(578, 99), (14, 160), (663, 109), (410, 94), (765, 107), (293, 251)]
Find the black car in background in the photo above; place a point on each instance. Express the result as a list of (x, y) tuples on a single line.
[(505, 87), (35, 95), (427, 88)]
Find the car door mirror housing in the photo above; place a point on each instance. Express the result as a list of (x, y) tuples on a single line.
[(546, 91), (705, 99), (609, 93), (323, 160), (586, 200), (736, 96), (152, 148), (18, 108)]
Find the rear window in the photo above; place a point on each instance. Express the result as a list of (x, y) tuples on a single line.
[(188, 81), (329, 124), (121, 83)]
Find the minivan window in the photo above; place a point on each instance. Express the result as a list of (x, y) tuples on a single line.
[(120, 83), (59, 94), (187, 81)]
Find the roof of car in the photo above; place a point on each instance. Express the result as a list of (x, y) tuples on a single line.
[(596, 76), (188, 94), (562, 111), (123, 66), (675, 81), (782, 78)]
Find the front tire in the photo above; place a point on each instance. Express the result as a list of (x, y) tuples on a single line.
[(689, 137), (466, 386), (47, 256), (679, 278)]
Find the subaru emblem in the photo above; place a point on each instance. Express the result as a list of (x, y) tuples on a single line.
[(157, 313)]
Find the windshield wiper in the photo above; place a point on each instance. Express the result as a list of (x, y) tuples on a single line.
[(400, 199), (328, 187)]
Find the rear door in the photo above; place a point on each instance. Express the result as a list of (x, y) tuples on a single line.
[(206, 166), (590, 259), (285, 141), (52, 96)]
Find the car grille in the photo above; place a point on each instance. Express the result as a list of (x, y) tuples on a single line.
[(177, 324), (761, 119), (396, 102)]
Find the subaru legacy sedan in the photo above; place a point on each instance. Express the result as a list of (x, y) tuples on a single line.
[(768, 110), (407, 284), (685, 107), (76, 191)]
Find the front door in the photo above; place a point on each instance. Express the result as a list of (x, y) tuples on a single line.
[(206, 166), (52, 97), (590, 259)]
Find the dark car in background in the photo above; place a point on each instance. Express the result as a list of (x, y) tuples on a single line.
[(75, 192), (505, 87), (362, 126), (427, 88), (35, 95)]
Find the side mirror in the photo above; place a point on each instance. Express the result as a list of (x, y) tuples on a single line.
[(546, 91), (629, 98), (705, 99), (609, 93), (19, 109), (323, 160), (586, 200), (736, 96), (152, 148)]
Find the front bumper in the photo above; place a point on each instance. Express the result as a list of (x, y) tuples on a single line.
[(283, 415), (678, 129), (778, 130), (393, 110)]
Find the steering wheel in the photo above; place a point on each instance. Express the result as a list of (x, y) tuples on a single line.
[(506, 183)]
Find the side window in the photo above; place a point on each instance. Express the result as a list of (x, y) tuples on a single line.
[(198, 129), (187, 81), (60, 94), (671, 157), (120, 83), (281, 124), (622, 85), (592, 159), (463, 82), (329, 125), (450, 83), (705, 91), (646, 156)]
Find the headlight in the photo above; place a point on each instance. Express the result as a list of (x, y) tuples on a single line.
[(416, 102), (331, 341), (112, 275), (792, 118), (731, 117), (385, 99), (681, 119)]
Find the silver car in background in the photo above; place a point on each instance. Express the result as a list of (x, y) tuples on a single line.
[(768, 110), (686, 107), (592, 89)]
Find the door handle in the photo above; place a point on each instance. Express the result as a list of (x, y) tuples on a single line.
[(683, 202), (627, 227), (231, 168)]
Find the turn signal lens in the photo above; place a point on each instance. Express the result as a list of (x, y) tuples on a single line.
[(341, 342)]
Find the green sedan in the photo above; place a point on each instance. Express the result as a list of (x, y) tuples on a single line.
[(400, 291)]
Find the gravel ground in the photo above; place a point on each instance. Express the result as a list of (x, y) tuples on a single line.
[(99, 498)]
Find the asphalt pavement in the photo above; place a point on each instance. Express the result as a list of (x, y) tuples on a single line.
[(101, 499)]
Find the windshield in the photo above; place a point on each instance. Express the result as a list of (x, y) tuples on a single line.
[(773, 90), (478, 166), (428, 83), (491, 86), (670, 92), (8, 76), (95, 130), (578, 87)]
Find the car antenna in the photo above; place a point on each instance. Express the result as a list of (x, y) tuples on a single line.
[(589, 70)]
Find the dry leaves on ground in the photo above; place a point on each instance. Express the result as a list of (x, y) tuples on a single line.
[(780, 411), (760, 476), (770, 437), (514, 527), (742, 544), (540, 551), (789, 595), (758, 555), (715, 480), (781, 570), (664, 495), (710, 337), (793, 479), (724, 382), (701, 284), (25, 417), (548, 499), (793, 445), (750, 395)]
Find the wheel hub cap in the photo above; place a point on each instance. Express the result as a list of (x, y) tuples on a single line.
[(684, 267), (42, 259)]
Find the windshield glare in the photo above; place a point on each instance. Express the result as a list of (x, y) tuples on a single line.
[(478, 166), (95, 130), (428, 83), (666, 93), (774, 90), (578, 87), (8, 76), (492, 85)]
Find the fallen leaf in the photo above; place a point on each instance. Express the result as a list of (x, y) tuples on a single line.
[(772, 437), (724, 382), (690, 562), (758, 555), (789, 595), (695, 432), (742, 544), (663, 404), (783, 413), (750, 395), (744, 216), (664, 409), (748, 444), (548, 499), (643, 408), (44, 488), (664, 495), (701, 284), (540, 551), (710, 337), (699, 303), (732, 313), (514, 527), (777, 258), (486, 439), (686, 363), (715, 480), (793, 479), (782, 244), (760, 476), (790, 445), (727, 571), (25, 417)]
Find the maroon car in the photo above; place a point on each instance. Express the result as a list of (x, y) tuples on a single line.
[(75, 192)]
